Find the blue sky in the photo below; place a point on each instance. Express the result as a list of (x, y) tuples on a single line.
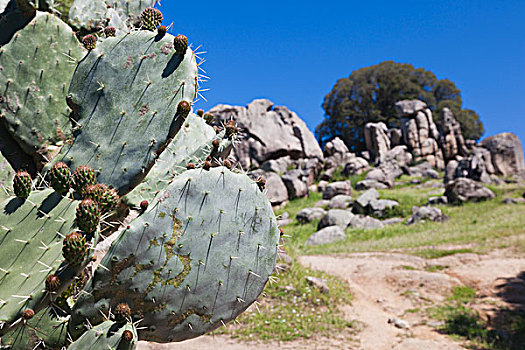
[(293, 52)]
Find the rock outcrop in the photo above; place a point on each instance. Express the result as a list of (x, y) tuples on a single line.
[(377, 141), (268, 132), (506, 153), (466, 190), (420, 133), (452, 139)]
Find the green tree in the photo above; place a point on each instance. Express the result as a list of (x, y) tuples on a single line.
[(370, 94)]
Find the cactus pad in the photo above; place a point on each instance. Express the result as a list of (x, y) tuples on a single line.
[(107, 336), (126, 93), (6, 177), (35, 72), (31, 233), (199, 256)]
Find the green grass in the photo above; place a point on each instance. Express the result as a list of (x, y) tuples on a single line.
[(292, 309), (487, 225), (464, 323)]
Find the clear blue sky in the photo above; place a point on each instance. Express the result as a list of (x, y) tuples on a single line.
[(293, 52)]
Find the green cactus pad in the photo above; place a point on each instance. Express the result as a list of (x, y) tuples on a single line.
[(92, 14), (198, 257), (107, 336), (126, 93), (34, 80), (31, 234), (191, 144), (6, 177), (47, 329)]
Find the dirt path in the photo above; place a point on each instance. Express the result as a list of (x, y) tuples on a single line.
[(387, 285)]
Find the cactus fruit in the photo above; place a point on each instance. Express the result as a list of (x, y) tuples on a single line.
[(181, 44), (261, 183), (199, 256), (206, 165), (52, 283), (144, 205), (151, 18), (110, 32), (83, 176), (74, 248), (60, 178), (22, 184), (190, 166), (28, 314), (227, 164), (89, 42), (209, 118), (88, 216), (36, 70), (106, 198), (200, 112)]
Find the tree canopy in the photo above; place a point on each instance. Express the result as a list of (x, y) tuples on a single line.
[(370, 94)]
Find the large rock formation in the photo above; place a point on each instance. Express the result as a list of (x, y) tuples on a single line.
[(452, 139), (420, 133), (268, 132), (377, 141), (506, 153)]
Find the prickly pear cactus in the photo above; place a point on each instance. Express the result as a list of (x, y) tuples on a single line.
[(191, 145), (31, 234), (126, 94), (37, 65), (107, 336), (46, 330), (198, 257)]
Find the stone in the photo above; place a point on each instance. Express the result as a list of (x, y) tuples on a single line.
[(451, 139), (319, 283), (340, 201), (396, 137), (279, 166), (355, 166), (307, 215), (506, 152), (336, 217), (386, 173), (327, 235), (392, 221), (267, 132), (275, 189), (477, 166), (328, 174), (420, 132), (399, 323), (514, 200), (462, 190), (426, 213), (295, 187), (334, 146), (437, 200), (335, 188), (377, 140), (365, 222), (400, 155), (367, 184), (322, 203), (379, 207), (363, 201), (322, 185)]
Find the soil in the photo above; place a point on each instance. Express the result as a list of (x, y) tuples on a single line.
[(386, 285)]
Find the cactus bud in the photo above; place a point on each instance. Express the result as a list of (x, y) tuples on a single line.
[(144, 205), (180, 43), (89, 42), (110, 31), (82, 177), (227, 164), (183, 109), (122, 313), (261, 182), (216, 143), (200, 113), (127, 336), (52, 283), (22, 184), (28, 314), (88, 216), (151, 18), (60, 178), (74, 248), (190, 166), (208, 117), (161, 31), (206, 165)]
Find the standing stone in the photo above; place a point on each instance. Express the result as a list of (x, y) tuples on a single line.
[(419, 132), (452, 139), (506, 153), (377, 141)]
